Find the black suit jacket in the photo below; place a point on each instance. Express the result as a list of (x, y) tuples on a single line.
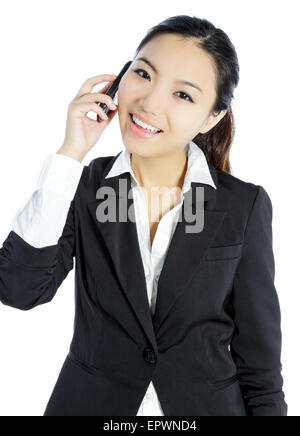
[(212, 347)]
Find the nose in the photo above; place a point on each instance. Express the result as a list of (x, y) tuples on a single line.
[(152, 103)]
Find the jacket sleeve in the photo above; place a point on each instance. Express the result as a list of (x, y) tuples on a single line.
[(41, 220), (38, 253), (256, 343)]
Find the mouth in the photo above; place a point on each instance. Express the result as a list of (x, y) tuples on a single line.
[(140, 131)]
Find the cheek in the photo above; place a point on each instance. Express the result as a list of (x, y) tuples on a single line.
[(123, 103), (123, 91), (193, 121), (127, 89), (183, 122)]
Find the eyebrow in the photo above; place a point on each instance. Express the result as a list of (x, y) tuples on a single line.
[(185, 82)]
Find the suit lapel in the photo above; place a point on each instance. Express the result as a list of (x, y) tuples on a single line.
[(121, 239), (184, 253)]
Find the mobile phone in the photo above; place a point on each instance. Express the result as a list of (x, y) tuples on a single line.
[(112, 90)]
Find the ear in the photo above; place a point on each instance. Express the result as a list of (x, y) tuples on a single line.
[(212, 120)]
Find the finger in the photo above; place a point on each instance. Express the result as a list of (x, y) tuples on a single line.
[(100, 112), (97, 97), (103, 89), (92, 81), (84, 108)]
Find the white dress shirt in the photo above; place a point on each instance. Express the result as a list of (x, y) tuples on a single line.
[(41, 219)]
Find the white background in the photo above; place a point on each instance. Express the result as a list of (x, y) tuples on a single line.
[(48, 49)]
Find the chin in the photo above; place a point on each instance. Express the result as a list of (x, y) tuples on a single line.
[(138, 150)]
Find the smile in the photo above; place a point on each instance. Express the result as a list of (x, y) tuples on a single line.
[(139, 128)]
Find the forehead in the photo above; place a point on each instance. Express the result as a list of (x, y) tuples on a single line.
[(180, 58)]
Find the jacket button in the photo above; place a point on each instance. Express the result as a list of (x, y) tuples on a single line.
[(149, 355)]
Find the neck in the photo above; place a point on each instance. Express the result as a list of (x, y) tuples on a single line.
[(164, 171)]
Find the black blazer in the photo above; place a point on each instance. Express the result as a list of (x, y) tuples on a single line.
[(213, 345)]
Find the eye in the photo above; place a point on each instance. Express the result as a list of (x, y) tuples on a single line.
[(139, 69), (178, 92)]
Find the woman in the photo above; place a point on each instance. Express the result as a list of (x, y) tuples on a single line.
[(210, 344)]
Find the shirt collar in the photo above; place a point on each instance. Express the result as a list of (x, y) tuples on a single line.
[(197, 170)]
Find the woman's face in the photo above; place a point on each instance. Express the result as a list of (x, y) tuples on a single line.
[(181, 111)]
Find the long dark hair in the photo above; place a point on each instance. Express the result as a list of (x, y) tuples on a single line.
[(217, 141)]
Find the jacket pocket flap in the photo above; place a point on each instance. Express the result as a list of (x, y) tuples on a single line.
[(223, 252)]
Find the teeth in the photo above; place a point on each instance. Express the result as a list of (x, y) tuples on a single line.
[(144, 125)]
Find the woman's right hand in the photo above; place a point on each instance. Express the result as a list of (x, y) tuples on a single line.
[(82, 133)]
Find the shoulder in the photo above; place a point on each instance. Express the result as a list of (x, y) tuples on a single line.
[(241, 193), (93, 172), (91, 176), (100, 164)]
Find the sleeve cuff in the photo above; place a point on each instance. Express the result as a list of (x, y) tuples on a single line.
[(60, 174), (269, 411), (18, 251)]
